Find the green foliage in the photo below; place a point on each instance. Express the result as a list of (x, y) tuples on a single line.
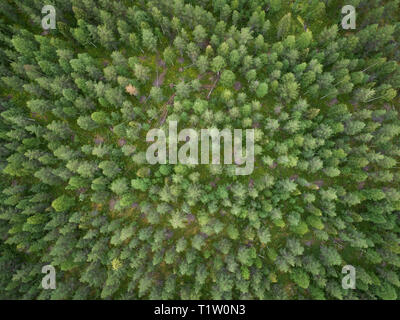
[(77, 192), (63, 203)]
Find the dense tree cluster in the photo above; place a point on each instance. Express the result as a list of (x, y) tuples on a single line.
[(77, 192)]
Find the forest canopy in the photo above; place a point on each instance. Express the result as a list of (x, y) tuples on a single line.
[(77, 193)]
